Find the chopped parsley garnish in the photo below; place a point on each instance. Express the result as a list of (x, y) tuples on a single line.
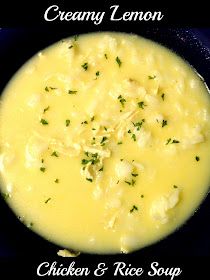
[(170, 141), (138, 124), (85, 161), (175, 187), (72, 91), (141, 104), (105, 128), (142, 196), (85, 122), (42, 169), (152, 77), (105, 55), (57, 181), (6, 195), (164, 123), (67, 122), (46, 201), (119, 143), (30, 225), (93, 158), (134, 208), (70, 47), (101, 169), (121, 159), (119, 62), (89, 179), (117, 182), (46, 109), (130, 183), (122, 100), (129, 131), (93, 128), (134, 174), (85, 66), (197, 158), (42, 160), (50, 88), (92, 119), (163, 96), (175, 141), (103, 140), (76, 37), (44, 122), (133, 137), (97, 73), (54, 154)]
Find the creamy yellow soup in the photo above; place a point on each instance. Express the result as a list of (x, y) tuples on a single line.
[(105, 142)]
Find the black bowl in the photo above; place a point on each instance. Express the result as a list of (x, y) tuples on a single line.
[(16, 47)]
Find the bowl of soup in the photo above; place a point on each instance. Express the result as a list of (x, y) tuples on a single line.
[(105, 142)]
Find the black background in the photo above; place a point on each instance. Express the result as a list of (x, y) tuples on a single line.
[(21, 251)]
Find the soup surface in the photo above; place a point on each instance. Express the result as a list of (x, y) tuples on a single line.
[(105, 142)]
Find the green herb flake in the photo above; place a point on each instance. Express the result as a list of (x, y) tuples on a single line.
[(163, 96), (103, 140), (122, 100), (89, 179), (46, 89), (72, 91), (175, 187), (56, 181), (168, 141), (138, 125), (70, 47), (127, 182), (101, 169), (134, 208), (130, 183), (105, 128), (175, 141), (105, 55), (92, 118), (85, 161), (164, 123), (119, 143), (30, 225), (42, 160), (151, 77), (119, 62), (42, 169), (197, 158), (134, 174), (46, 109), (76, 37), (85, 66), (142, 196), (46, 201), (85, 122), (67, 122), (129, 131), (97, 73), (141, 104), (133, 137), (6, 195), (54, 154), (44, 122)]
